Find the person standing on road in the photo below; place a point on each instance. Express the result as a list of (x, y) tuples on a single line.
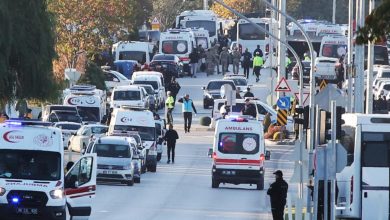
[(194, 59), (249, 109), (248, 93), (215, 53), (257, 64), (246, 62), (170, 138), (224, 57), (21, 107), (209, 62), (278, 194), (187, 108), (258, 50), (236, 60), (174, 87), (169, 105)]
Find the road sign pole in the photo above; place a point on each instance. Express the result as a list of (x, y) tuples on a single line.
[(281, 49), (370, 62), (334, 159), (316, 141), (350, 55)]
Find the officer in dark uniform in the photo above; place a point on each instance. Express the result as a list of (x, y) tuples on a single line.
[(249, 109), (278, 194)]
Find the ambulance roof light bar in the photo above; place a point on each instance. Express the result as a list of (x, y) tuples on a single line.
[(24, 122)]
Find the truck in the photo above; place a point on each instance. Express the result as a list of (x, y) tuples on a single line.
[(33, 183), (364, 182)]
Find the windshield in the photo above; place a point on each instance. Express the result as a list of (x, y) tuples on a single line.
[(375, 149), (207, 25), (215, 85), (148, 89), (66, 108), (152, 83), (89, 113), (385, 74), (99, 130), (64, 116), (249, 32), (139, 56), (112, 150), (146, 133), (202, 41), (238, 143), (68, 126), (127, 95), (239, 82), (175, 47), (30, 165), (335, 51)]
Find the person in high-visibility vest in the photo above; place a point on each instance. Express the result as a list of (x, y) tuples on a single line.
[(170, 105), (257, 64), (306, 57), (187, 108)]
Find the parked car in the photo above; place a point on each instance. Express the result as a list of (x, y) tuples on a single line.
[(64, 116), (167, 64), (151, 99), (213, 91), (239, 80), (114, 79), (68, 129), (80, 141)]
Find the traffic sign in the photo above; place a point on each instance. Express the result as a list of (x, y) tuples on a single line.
[(323, 84), (283, 103), (155, 24), (305, 97), (282, 117), (282, 86)]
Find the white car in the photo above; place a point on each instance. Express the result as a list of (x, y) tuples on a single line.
[(383, 89), (68, 129), (239, 80), (130, 95), (81, 139), (114, 79)]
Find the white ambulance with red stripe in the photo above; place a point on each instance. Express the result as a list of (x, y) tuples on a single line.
[(33, 184), (238, 152)]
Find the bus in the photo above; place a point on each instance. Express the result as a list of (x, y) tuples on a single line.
[(248, 36)]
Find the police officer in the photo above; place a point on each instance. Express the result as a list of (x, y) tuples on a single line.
[(278, 194), (170, 105), (236, 55), (246, 62), (257, 64), (248, 93), (249, 109), (215, 53), (224, 58)]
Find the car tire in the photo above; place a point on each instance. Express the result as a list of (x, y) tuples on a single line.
[(137, 180), (205, 121), (214, 183), (130, 182), (159, 156), (260, 184)]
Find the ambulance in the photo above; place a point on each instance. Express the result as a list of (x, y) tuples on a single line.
[(90, 102), (364, 182), (131, 119), (202, 37), (238, 152), (179, 42), (142, 52), (33, 184)]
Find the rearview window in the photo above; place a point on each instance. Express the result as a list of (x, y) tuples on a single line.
[(238, 143)]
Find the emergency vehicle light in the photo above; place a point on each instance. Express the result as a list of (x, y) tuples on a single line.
[(15, 200), (240, 120), (21, 122)]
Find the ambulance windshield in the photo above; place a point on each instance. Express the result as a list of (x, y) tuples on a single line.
[(238, 143), (30, 165)]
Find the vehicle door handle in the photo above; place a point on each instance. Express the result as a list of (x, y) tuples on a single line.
[(243, 158), (365, 195)]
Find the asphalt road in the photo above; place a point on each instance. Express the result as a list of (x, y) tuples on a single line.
[(183, 190)]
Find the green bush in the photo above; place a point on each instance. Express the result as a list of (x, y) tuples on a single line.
[(94, 76)]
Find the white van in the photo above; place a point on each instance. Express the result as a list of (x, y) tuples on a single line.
[(137, 120), (90, 102), (202, 37), (364, 182), (154, 81), (142, 52), (128, 95), (179, 42), (238, 152), (33, 184)]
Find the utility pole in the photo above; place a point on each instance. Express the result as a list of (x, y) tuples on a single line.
[(370, 63), (350, 55), (359, 61), (334, 12), (281, 47), (205, 5)]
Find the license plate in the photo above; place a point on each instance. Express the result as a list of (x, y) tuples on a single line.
[(27, 211), (229, 172), (326, 77), (109, 172)]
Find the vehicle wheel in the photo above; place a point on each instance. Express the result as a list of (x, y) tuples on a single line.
[(214, 183), (205, 121), (153, 168), (159, 156), (137, 180), (205, 106), (130, 182)]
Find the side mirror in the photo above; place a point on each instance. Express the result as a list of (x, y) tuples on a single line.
[(203, 88), (83, 151), (267, 155), (210, 152)]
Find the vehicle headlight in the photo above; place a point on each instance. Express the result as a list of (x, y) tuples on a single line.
[(57, 193), (2, 191), (128, 167)]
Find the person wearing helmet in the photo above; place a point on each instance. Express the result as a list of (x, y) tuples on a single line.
[(278, 194), (257, 64)]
